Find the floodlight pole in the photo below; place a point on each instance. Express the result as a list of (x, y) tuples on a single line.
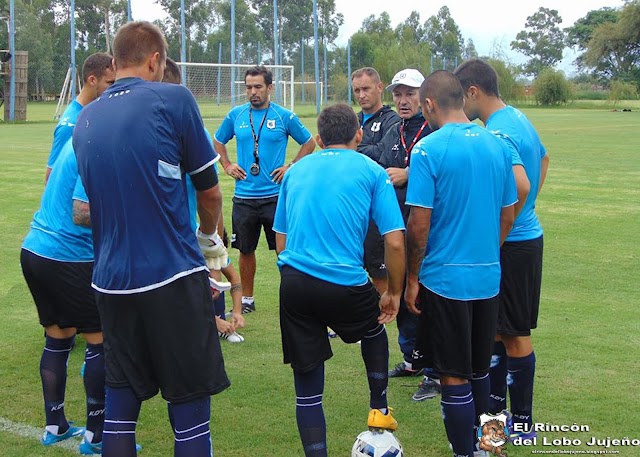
[(315, 53), (302, 67), (276, 48), (72, 20), (129, 15), (233, 52), (349, 69), (12, 50), (183, 44), (324, 71)]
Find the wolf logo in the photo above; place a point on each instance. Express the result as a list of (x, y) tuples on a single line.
[(271, 123), (493, 433)]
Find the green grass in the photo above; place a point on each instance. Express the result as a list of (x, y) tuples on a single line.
[(587, 342)]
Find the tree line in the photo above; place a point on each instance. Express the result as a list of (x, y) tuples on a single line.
[(607, 39)]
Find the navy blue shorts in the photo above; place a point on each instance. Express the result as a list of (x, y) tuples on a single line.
[(309, 305), (521, 263), (62, 292)]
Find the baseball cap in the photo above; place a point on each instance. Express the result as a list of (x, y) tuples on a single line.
[(408, 77)]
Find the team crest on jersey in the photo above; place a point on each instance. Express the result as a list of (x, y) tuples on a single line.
[(271, 123), (375, 127)]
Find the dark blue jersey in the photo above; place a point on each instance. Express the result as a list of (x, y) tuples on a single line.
[(134, 145)]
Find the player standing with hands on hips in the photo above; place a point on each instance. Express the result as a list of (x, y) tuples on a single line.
[(262, 129), (320, 230), (133, 146)]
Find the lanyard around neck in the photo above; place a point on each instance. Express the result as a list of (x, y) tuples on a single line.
[(413, 143), (256, 138)]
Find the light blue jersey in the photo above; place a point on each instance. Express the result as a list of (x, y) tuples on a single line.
[(64, 130), (464, 174), (513, 125), (325, 204), (273, 134), (53, 234)]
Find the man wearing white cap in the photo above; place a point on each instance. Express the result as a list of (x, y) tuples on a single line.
[(395, 153)]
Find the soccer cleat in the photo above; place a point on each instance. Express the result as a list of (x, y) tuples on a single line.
[(248, 308), (49, 438), (428, 388), (234, 337), (401, 370), (87, 448), (331, 333), (529, 435), (378, 420), (82, 368)]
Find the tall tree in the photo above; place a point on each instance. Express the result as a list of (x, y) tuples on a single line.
[(443, 34), (542, 41), (581, 32), (614, 48), (469, 51)]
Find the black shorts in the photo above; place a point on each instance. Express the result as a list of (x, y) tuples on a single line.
[(521, 263), (309, 305), (374, 253), (62, 292), (248, 216), (164, 339), (456, 337)]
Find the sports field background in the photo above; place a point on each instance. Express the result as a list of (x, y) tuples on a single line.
[(587, 346)]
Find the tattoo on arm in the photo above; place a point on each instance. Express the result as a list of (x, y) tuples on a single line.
[(415, 254), (81, 213)]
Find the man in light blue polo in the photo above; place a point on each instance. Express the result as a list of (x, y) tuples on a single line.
[(462, 191)]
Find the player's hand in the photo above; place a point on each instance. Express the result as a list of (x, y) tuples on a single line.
[(411, 296), (398, 176), (224, 326), (213, 250), (236, 172), (278, 174), (237, 319), (389, 306)]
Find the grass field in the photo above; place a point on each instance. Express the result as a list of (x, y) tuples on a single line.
[(587, 344)]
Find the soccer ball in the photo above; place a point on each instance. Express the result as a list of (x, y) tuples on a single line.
[(377, 444)]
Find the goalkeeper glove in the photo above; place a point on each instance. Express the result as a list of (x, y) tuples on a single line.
[(213, 250)]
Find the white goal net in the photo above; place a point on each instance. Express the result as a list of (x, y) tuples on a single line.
[(223, 84)]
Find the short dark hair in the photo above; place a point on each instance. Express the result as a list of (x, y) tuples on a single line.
[(172, 72), (260, 70), (135, 41), (443, 87), (337, 124), (476, 72), (369, 71), (96, 65)]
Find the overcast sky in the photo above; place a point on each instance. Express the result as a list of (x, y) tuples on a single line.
[(490, 23)]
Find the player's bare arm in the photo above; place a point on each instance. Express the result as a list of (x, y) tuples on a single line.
[(507, 216), (394, 259), (544, 166), (81, 213), (209, 208), (417, 234), (232, 169), (305, 149), (523, 187), (281, 242)]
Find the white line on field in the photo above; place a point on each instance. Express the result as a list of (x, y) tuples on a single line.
[(27, 431)]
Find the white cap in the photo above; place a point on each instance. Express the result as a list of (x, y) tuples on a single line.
[(407, 77)]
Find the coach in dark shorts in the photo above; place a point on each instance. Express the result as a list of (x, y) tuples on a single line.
[(134, 145), (57, 263), (320, 231), (461, 192), (262, 129)]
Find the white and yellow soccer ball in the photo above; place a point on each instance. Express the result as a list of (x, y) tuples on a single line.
[(376, 443)]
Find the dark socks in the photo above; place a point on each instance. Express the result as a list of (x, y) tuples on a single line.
[(521, 374), (53, 372), (121, 416), (94, 388), (498, 375), (458, 412), (190, 422), (480, 387), (375, 353), (309, 413)]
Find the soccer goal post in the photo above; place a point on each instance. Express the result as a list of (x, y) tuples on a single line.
[(223, 84)]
